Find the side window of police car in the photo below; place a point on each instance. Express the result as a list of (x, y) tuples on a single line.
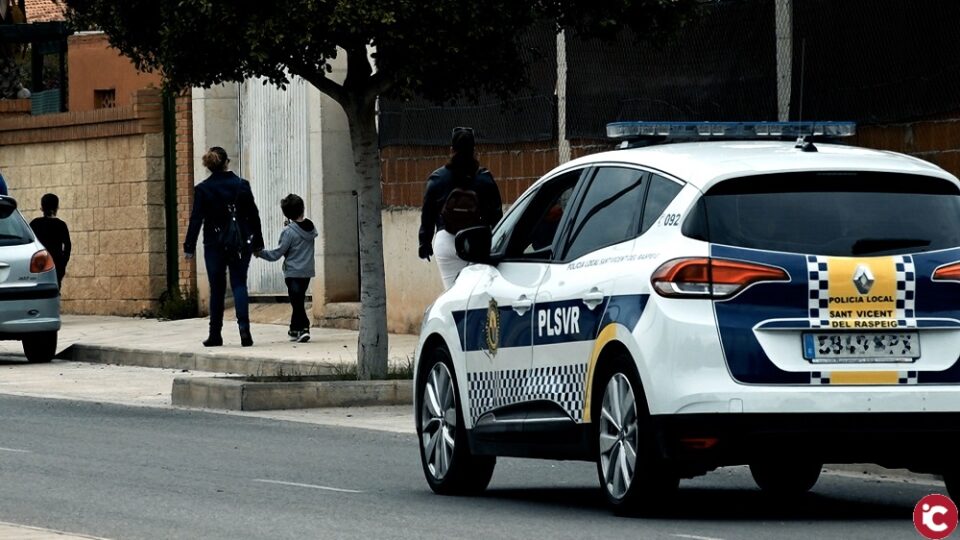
[(535, 228), (659, 196), (610, 211)]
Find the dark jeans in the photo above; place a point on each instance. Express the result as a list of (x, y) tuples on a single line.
[(217, 267), (297, 290)]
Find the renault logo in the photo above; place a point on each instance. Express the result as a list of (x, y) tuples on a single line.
[(863, 278)]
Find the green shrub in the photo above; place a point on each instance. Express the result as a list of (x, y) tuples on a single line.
[(175, 306)]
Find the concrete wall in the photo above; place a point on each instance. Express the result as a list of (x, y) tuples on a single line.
[(412, 284), (94, 65), (215, 112), (334, 204), (107, 168)]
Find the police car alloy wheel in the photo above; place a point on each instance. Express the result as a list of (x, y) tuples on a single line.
[(634, 478), (448, 464), (785, 478)]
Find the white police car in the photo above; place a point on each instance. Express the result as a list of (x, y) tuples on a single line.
[(670, 309)]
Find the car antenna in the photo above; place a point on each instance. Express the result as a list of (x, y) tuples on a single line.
[(804, 143)]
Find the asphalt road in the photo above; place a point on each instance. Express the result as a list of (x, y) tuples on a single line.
[(128, 472)]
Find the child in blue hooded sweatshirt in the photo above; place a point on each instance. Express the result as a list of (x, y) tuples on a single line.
[(296, 248)]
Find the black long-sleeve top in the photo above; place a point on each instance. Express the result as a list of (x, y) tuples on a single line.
[(210, 200), (55, 237), (439, 186)]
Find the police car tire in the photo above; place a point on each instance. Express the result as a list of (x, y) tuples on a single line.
[(952, 481), (784, 478), (653, 481), (467, 474)]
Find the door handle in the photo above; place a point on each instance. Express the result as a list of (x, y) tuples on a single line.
[(593, 298), (522, 305)]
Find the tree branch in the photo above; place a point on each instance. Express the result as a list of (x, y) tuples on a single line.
[(379, 85), (318, 78)]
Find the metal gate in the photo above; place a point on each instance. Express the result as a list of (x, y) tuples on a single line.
[(275, 157)]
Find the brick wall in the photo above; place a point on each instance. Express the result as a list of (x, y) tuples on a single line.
[(188, 268), (405, 169), (937, 141), (107, 169)]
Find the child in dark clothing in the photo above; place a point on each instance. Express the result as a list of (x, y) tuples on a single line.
[(53, 234), (296, 248)]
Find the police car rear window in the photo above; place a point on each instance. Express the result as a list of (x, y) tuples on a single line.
[(835, 214)]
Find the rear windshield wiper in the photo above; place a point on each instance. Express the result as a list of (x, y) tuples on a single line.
[(865, 246)]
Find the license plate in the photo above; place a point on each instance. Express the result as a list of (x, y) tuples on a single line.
[(845, 348)]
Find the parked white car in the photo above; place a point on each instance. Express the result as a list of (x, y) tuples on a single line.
[(674, 308), (29, 295)]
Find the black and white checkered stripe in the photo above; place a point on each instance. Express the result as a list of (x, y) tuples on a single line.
[(823, 377), (819, 287), (906, 291), (564, 385), (909, 377), (819, 377)]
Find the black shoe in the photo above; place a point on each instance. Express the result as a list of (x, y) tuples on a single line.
[(303, 336), (213, 341), (294, 335), (246, 340)]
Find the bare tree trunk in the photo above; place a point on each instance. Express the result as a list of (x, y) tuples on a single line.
[(372, 341)]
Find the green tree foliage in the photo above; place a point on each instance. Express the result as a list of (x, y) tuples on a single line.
[(439, 49)]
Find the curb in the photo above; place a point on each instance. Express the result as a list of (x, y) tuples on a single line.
[(238, 394), (214, 363)]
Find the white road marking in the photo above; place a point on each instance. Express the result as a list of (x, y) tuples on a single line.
[(309, 486), (695, 537), (15, 450)]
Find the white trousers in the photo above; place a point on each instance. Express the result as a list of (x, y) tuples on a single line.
[(449, 263)]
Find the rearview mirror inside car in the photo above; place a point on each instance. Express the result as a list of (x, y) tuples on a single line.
[(7, 206)]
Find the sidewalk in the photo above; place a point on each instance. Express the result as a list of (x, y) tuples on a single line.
[(130, 384), (177, 344), (9, 531)]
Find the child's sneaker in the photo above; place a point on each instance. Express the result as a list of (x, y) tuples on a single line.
[(303, 336)]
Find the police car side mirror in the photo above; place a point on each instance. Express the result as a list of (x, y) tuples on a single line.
[(473, 244)]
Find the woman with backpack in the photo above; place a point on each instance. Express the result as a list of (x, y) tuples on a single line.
[(223, 204), (459, 195)]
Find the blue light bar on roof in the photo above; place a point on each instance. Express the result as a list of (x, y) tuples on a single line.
[(728, 130)]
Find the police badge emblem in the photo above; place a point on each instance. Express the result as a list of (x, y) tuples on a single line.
[(493, 327)]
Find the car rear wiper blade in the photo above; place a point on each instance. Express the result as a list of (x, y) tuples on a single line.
[(866, 246)]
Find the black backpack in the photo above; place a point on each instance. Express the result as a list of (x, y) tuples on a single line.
[(231, 236), (461, 210)]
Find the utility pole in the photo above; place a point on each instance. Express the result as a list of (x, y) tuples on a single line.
[(563, 145), (784, 29)]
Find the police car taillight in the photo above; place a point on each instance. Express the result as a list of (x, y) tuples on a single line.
[(950, 272), (703, 277)]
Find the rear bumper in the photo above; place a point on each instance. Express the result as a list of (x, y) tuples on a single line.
[(921, 441), (29, 310)]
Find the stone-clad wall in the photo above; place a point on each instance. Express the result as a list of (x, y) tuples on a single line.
[(109, 177)]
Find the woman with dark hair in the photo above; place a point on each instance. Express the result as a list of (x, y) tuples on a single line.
[(223, 204), (459, 195)]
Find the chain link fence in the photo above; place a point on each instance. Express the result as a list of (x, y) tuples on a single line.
[(871, 61)]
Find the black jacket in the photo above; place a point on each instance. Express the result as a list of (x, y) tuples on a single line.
[(55, 236), (210, 200), (439, 186)]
